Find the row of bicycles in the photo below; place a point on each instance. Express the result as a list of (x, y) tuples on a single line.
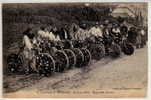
[(57, 56)]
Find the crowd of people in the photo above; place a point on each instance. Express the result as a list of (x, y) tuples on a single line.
[(136, 36)]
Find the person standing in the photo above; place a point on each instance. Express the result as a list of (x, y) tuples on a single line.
[(132, 34), (143, 38), (96, 31), (56, 33), (124, 31), (64, 33), (27, 50), (116, 34), (138, 38)]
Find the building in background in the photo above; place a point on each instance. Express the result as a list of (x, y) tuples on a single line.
[(122, 12)]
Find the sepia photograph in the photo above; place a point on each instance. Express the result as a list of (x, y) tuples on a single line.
[(75, 50)]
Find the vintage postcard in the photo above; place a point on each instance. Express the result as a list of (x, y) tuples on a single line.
[(75, 50)]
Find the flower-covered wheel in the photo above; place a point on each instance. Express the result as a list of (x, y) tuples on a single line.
[(87, 56), (128, 49), (71, 56), (115, 50), (14, 63), (97, 51), (61, 61), (79, 57), (45, 64)]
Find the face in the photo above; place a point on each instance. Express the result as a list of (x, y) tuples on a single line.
[(55, 29), (101, 26)]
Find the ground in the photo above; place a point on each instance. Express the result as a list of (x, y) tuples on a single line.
[(122, 77)]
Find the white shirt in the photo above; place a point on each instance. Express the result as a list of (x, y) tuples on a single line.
[(41, 33), (96, 31), (47, 34), (142, 32), (50, 35), (116, 30), (57, 38), (27, 42), (80, 34), (65, 34)]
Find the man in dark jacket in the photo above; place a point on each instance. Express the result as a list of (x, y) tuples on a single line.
[(124, 31), (132, 34), (64, 33)]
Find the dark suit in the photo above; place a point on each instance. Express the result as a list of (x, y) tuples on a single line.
[(64, 34)]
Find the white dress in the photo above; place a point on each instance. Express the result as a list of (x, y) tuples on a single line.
[(27, 47), (96, 31), (28, 55)]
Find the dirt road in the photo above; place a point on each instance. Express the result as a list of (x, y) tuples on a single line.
[(122, 77)]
